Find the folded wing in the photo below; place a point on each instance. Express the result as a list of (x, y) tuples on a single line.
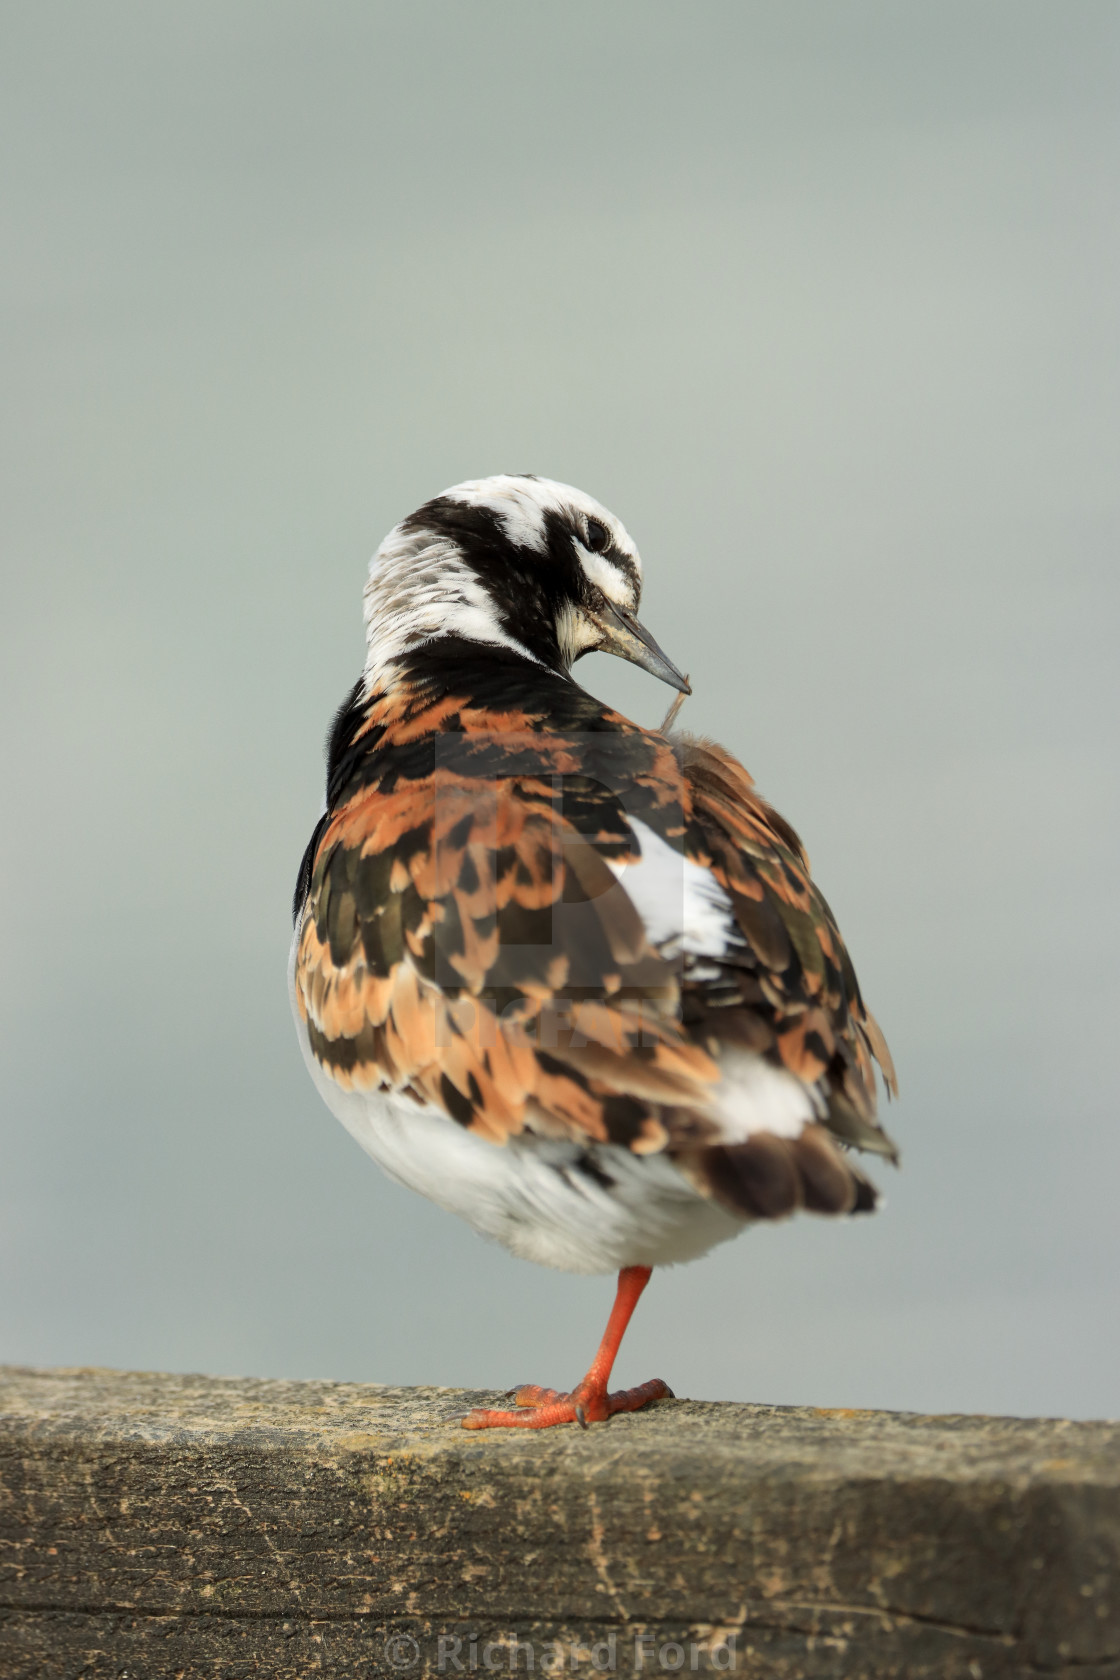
[(464, 941)]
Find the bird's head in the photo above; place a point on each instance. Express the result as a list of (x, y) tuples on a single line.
[(512, 561)]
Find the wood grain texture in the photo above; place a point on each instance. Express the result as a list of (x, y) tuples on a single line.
[(156, 1526)]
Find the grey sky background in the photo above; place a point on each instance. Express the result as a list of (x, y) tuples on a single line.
[(822, 301)]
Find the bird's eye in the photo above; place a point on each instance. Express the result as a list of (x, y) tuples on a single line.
[(598, 537)]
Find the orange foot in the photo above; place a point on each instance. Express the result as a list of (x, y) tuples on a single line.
[(540, 1408), (589, 1402)]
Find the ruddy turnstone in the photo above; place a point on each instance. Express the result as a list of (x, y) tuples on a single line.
[(567, 976)]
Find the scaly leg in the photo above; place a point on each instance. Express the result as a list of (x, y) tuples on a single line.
[(589, 1402)]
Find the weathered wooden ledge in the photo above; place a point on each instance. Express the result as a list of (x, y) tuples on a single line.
[(156, 1526)]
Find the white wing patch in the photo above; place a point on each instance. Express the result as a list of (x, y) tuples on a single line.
[(755, 1096), (683, 906), (687, 913)]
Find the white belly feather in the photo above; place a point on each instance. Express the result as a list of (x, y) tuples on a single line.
[(592, 1208), (583, 1207)]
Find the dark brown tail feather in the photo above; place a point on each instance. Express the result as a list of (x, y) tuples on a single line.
[(769, 1177)]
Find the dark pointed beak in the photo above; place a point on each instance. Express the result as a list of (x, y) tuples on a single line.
[(623, 635)]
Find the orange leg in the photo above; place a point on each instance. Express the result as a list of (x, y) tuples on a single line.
[(589, 1402)]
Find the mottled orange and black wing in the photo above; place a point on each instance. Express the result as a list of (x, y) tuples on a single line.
[(463, 941), (463, 938), (789, 992)]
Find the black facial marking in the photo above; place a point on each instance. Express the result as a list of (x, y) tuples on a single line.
[(529, 586)]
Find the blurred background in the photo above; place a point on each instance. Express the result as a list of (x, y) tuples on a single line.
[(822, 302)]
